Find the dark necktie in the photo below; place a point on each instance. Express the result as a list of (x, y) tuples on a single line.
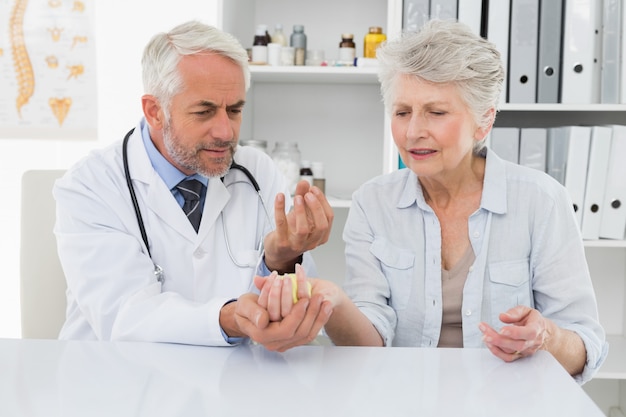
[(191, 191)]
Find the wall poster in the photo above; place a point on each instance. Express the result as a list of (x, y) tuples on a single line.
[(48, 69)]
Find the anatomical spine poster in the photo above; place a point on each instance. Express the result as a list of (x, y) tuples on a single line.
[(47, 69)]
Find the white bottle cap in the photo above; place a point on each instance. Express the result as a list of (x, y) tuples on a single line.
[(318, 169)]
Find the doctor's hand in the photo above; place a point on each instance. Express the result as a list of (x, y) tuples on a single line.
[(299, 327), (526, 333), (304, 228)]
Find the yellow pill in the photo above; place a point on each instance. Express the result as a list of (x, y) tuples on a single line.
[(294, 287)]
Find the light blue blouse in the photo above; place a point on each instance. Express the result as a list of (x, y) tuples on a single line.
[(528, 251)]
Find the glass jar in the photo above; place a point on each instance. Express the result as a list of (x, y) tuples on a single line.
[(255, 143), (286, 155)]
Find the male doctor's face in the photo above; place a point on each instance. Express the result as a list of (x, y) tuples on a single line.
[(201, 131)]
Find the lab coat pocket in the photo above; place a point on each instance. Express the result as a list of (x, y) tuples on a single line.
[(510, 286), (397, 265)]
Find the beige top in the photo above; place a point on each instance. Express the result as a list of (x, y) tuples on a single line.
[(452, 283)]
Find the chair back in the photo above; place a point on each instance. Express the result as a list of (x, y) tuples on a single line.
[(42, 283)]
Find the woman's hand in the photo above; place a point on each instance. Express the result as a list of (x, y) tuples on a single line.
[(277, 292), (526, 333)]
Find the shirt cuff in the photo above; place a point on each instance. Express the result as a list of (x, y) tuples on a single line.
[(228, 339)]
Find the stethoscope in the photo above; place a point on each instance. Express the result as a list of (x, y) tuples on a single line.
[(158, 271)]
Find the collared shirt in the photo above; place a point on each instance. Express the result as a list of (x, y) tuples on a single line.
[(528, 251), (168, 172)]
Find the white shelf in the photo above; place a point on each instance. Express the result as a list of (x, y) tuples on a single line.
[(615, 365), (541, 107), (605, 243), (314, 74)]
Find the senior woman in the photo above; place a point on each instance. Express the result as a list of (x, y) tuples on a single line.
[(462, 249)]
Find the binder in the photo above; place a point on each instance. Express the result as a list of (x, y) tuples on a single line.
[(533, 147), (599, 149), (556, 158), (504, 141), (414, 14), (581, 81), (549, 57), (613, 221), (622, 69), (611, 52), (443, 9), (470, 12), (498, 33), (578, 139), (523, 51)]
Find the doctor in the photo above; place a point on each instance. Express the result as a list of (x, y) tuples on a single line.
[(169, 282)]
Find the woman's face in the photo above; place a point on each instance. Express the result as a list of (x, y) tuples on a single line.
[(433, 128)]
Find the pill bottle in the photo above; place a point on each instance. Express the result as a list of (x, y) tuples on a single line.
[(273, 53), (298, 42), (347, 49), (319, 177), (287, 56), (286, 155), (306, 173), (279, 36), (374, 38), (259, 46)]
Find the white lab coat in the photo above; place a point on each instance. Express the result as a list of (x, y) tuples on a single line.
[(113, 293)]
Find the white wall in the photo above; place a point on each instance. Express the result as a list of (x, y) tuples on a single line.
[(122, 29)]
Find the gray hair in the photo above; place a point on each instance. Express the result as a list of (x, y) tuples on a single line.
[(162, 54), (446, 51)]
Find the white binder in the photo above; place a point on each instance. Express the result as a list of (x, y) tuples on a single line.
[(558, 145), (498, 34), (599, 149), (504, 141), (578, 138), (622, 69), (414, 14), (580, 82), (613, 222), (523, 51), (470, 12), (533, 147), (611, 52), (443, 9)]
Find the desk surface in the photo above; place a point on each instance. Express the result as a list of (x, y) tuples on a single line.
[(52, 378)]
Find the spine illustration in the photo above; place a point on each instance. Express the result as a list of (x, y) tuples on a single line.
[(21, 61)]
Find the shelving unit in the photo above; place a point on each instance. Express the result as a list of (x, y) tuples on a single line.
[(336, 116)]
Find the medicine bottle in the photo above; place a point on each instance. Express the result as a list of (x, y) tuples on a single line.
[(319, 178), (279, 36), (306, 173), (372, 40), (259, 46), (298, 41), (286, 155), (347, 49)]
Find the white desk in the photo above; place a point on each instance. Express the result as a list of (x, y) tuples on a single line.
[(52, 378)]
